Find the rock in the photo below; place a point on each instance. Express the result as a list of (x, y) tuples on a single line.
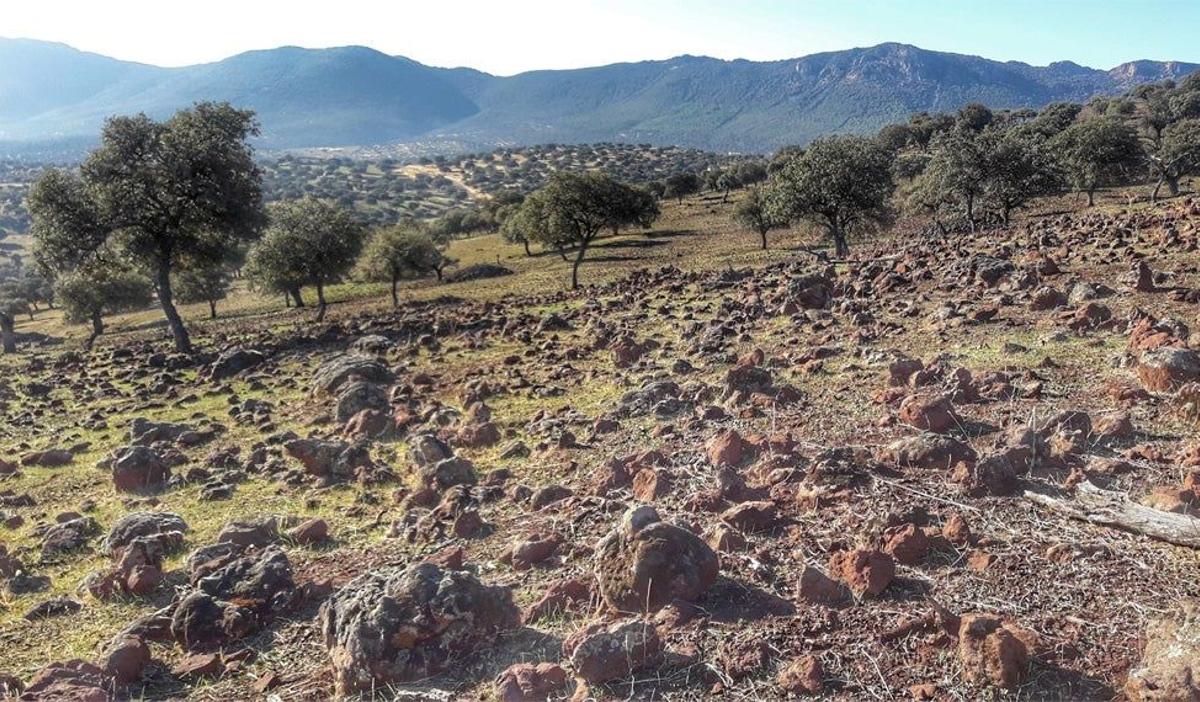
[(53, 607), (1167, 368), (1170, 665), (126, 659), (818, 588), (449, 472), (199, 665), (72, 681), (338, 370), (928, 413), (1046, 298), (529, 552), (143, 432), (866, 572), (51, 458), (727, 448), (992, 651), (527, 682), (139, 469), (646, 563), (234, 361), (166, 527), (234, 596), (927, 451), (395, 625), (358, 395), (426, 450), (480, 435), (803, 676), (313, 531), (547, 495), (245, 534), (907, 544), (602, 653), (328, 460), (70, 535), (749, 517)]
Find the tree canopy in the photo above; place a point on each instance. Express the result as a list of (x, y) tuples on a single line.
[(157, 194), (842, 183), (399, 251), (308, 243)]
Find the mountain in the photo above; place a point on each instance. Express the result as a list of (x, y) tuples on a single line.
[(350, 96)]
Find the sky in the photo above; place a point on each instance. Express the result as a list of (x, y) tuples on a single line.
[(510, 36)]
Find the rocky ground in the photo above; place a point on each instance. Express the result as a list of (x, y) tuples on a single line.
[(853, 480)]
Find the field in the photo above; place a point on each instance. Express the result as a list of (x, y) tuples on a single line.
[(760, 400)]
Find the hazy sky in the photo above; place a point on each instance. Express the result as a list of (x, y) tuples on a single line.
[(508, 36)]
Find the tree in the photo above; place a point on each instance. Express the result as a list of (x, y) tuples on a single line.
[(725, 182), (974, 117), (841, 182), (207, 284), (1097, 153), (576, 207), (521, 225), (309, 242), (91, 292), (1177, 155), (754, 214), (958, 169), (680, 185), (157, 193), (11, 305), (1019, 168), (398, 251)]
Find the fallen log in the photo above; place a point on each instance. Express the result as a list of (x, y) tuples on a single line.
[(1115, 509)]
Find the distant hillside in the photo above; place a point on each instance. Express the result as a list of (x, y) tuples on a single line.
[(355, 96)]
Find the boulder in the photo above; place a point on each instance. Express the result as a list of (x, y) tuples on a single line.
[(928, 412), (139, 469), (927, 451), (234, 361), (338, 370), (646, 563), (528, 682), (1167, 368), (601, 653), (395, 625), (993, 651), (1170, 665)]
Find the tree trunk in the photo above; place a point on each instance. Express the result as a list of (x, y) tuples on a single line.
[(1005, 215), (6, 334), (1157, 186), (1115, 509), (287, 301), (183, 342), (941, 227), (526, 243), (321, 302), (97, 330), (575, 266), (395, 295), (438, 270), (971, 212), (562, 253), (1091, 197), (296, 297), (763, 233), (1173, 185), (212, 309), (841, 248)]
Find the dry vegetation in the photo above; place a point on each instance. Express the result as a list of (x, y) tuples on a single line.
[(551, 364)]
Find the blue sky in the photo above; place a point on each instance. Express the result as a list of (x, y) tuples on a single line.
[(509, 36)]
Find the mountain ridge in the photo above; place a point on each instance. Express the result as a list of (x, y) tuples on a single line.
[(358, 96)]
